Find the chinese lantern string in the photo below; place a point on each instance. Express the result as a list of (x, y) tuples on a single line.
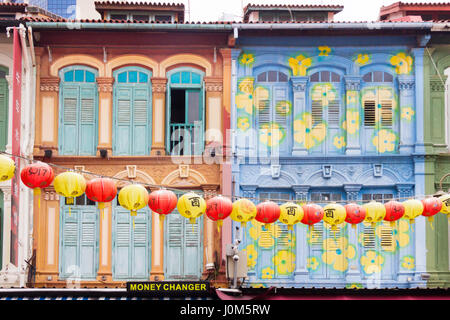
[(231, 197)]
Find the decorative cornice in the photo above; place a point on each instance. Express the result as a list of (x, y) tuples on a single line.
[(437, 86), (159, 85), (406, 82), (50, 84), (213, 84), (299, 83), (105, 84), (353, 83)]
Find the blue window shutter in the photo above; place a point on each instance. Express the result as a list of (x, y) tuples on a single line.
[(88, 123), (69, 121), (192, 251), (174, 246), (141, 121), (131, 245), (123, 133), (79, 247), (3, 114)]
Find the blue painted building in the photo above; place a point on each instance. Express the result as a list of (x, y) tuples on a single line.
[(330, 112)]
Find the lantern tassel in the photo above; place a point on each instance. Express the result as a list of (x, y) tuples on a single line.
[(430, 220), (290, 227), (161, 221), (37, 193), (411, 224), (219, 225), (69, 203), (101, 206)]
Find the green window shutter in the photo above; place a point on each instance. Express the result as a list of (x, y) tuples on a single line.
[(3, 114)]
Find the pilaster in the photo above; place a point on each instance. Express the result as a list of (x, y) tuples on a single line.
[(159, 88), (105, 110), (48, 115), (353, 114)]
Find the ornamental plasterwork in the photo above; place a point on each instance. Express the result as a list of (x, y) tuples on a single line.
[(50, 84)]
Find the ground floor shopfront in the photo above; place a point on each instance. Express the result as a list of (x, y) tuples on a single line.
[(77, 244)]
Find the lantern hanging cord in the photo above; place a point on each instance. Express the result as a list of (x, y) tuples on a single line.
[(231, 197)]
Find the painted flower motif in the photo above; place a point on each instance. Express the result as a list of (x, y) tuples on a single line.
[(312, 263), (252, 255), (400, 234), (352, 97), (265, 237), (402, 63), (324, 51), (324, 93), (307, 134), (408, 262), (250, 96), (271, 134), (299, 65), (247, 59), (339, 142), (362, 59), (284, 261), (338, 252), (372, 262), (267, 273), (385, 141), (243, 123), (352, 122), (283, 108), (407, 113)]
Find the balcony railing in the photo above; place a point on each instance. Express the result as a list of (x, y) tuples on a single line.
[(186, 139)]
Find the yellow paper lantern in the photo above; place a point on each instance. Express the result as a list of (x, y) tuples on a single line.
[(375, 212), (191, 206), (334, 214), (133, 198), (413, 209), (70, 185), (7, 168), (243, 211), (445, 204), (291, 214)]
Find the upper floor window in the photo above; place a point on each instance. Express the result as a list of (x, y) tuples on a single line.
[(185, 112), (378, 76), (142, 16), (132, 115), (325, 96), (273, 111), (78, 111)]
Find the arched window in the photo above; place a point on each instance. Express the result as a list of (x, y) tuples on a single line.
[(185, 112), (378, 98), (273, 111), (78, 111), (132, 112), (326, 111)]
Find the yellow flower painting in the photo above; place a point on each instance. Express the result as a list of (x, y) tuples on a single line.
[(339, 142), (271, 134), (324, 51), (299, 65), (247, 59), (407, 113), (385, 141), (284, 262), (351, 124), (308, 135), (362, 59), (372, 262), (337, 253), (402, 63)]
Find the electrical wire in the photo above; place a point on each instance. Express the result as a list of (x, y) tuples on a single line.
[(233, 197)]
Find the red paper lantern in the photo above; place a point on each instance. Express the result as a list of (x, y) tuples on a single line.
[(431, 207), (36, 176), (267, 212), (355, 214), (163, 202), (218, 209), (313, 214), (101, 190), (394, 211)]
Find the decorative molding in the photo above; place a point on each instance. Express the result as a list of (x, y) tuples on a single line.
[(327, 171), (131, 172), (352, 83), (377, 170), (437, 86), (213, 84), (246, 84), (50, 84), (406, 83), (159, 85), (299, 84), (184, 170), (105, 84), (275, 170)]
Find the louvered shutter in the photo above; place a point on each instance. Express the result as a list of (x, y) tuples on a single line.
[(88, 127), (174, 244), (141, 127), (316, 112), (280, 117), (386, 113), (140, 262), (123, 133), (3, 114), (369, 113), (192, 251), (88, 243), (79, 254), (333, 113), (69, 122), (69, 259), (122, 244)]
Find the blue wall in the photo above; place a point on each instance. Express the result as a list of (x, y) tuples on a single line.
[(330, 119)]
